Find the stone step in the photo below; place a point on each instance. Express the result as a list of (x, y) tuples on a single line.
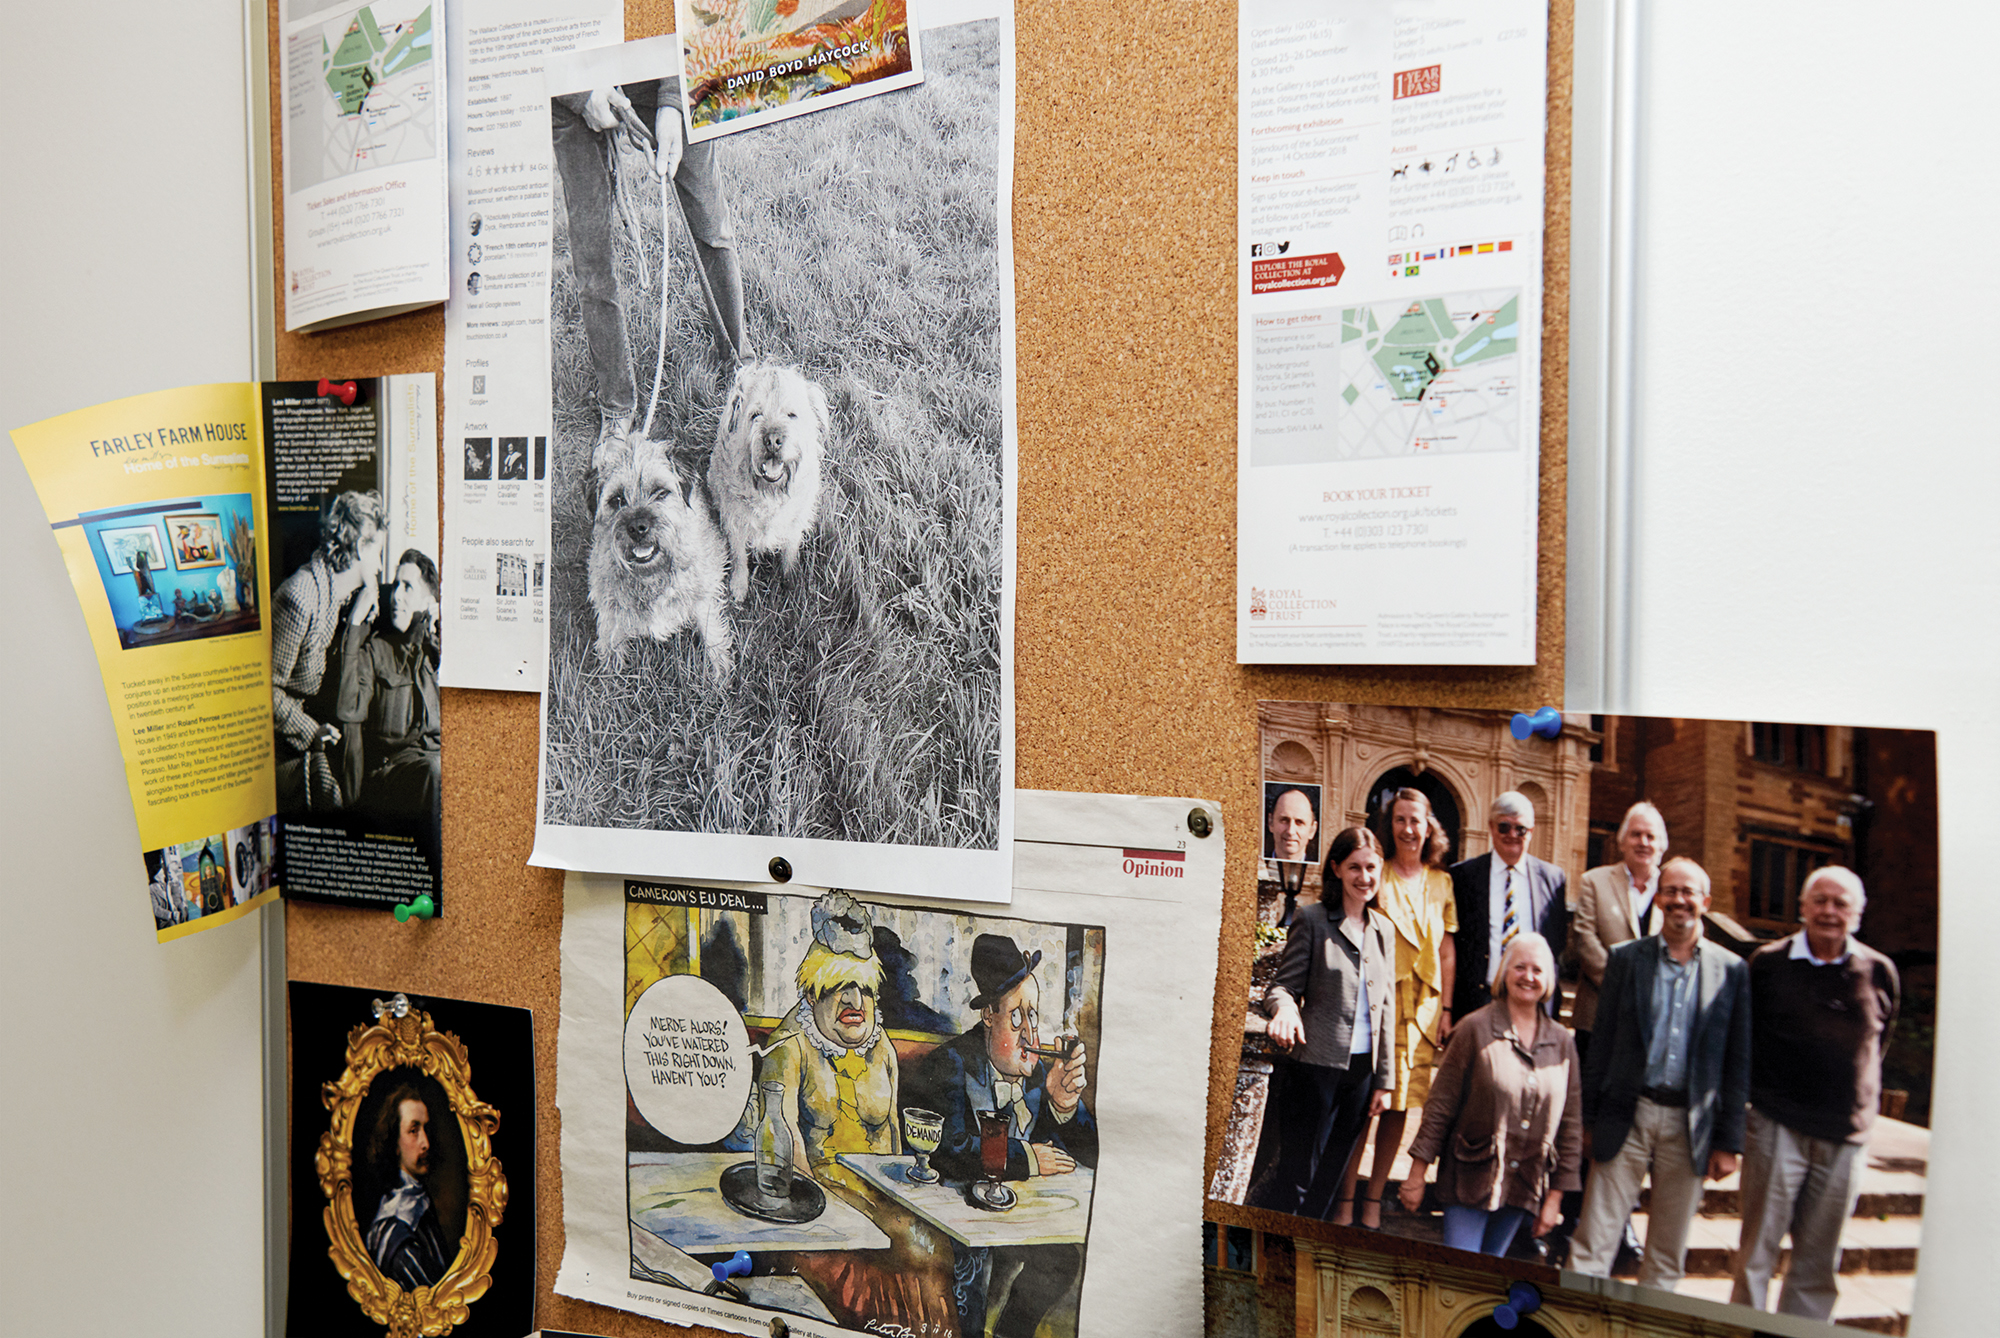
[(1879, 1245), (1867, 1245), (1892, 1184), (1876, 1303)]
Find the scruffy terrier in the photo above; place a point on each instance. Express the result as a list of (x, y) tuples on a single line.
[(656, 563), (765, 470)]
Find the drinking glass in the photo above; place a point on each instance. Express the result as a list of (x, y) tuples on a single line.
[(993, 1161), (922, 1129)]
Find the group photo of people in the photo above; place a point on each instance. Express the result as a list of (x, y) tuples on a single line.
[(1651, 1000)]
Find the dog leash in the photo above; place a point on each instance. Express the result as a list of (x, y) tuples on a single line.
[(622, 206), (642, 136), (660, 342), (668, 191)]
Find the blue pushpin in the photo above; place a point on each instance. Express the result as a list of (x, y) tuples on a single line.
[(1525, 1298), (423, 908), (736, 1265), (1547, 722)]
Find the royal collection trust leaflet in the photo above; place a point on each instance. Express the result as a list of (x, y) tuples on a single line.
[(363, 162), (1389, 298)]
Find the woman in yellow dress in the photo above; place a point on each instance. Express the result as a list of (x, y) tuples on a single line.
[(1416, 898)]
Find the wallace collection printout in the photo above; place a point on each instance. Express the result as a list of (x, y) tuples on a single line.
[(1389, 297), (496, 379)]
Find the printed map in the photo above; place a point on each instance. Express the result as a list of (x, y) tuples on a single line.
[(363, 93), (1436, 375)]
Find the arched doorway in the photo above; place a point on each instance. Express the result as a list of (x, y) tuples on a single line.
[(1444, 804), (1486, 1327)]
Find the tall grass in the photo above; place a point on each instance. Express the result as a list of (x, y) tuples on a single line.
[(865, 703)]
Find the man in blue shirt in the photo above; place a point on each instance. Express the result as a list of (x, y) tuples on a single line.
[(1665, 1082)]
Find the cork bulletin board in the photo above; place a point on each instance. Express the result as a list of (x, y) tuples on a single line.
[(1126, 681)]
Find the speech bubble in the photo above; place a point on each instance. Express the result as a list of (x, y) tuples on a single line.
[(687, 1060)]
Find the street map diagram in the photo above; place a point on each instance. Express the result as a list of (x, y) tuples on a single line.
[(1430, 376), (363, 90)]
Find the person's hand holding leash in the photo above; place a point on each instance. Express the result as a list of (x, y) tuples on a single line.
[(601, 110), (672, 141)]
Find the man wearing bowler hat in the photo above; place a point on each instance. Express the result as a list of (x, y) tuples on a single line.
[(1050, 1132)]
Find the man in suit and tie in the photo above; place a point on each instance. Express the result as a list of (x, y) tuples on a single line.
[(1500, 895), (1614, 904), (997, 1068), (1665, 1083)]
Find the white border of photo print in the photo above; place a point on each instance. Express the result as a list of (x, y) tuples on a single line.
[(860, 725), (1081, 859)]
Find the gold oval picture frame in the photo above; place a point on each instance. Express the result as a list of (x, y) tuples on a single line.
[(410, 1041)]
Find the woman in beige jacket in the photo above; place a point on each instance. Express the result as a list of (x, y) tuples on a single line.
[(1505, 1117)]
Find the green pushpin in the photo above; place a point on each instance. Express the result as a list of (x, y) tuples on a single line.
[(423, 908)]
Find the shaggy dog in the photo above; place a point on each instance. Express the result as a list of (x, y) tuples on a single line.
[(765, 469), (656, 563)]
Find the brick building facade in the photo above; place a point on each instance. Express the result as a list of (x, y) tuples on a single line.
[(1761, 804)]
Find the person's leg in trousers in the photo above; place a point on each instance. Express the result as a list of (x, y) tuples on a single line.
[(699, 185), (1608, 1199), (579, 155), (1832, 1184), (1769, 1188), (1677, 1188), (1502, 1224)]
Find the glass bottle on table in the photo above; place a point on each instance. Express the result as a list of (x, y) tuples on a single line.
[(774, 1144)]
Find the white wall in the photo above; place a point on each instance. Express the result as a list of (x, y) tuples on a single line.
[(1817, 446), (130, 1134)]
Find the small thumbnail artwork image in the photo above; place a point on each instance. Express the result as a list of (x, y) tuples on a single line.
[(478, 458), (1652, 1000), (178, 571), (746, 61), (513, 458), (510, 572), (197, 540), (412, 1162), (192, 879)]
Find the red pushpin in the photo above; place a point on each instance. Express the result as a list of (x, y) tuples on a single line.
[(343, 391)]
